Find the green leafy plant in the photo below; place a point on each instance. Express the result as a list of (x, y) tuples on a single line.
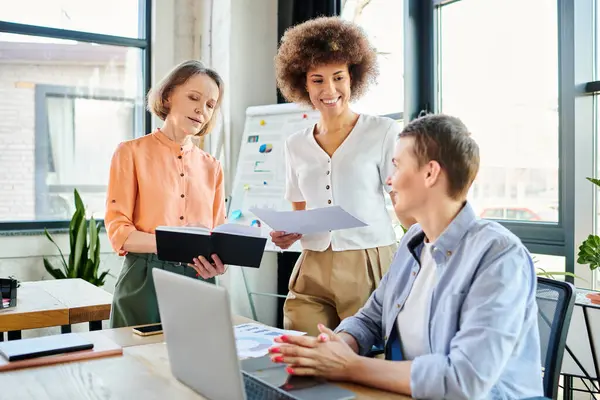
[(589, 250), (84, 258)]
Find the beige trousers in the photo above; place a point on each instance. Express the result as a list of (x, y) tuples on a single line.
[(327, 286)]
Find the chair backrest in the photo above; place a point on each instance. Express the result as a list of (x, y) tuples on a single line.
[(555, 300)]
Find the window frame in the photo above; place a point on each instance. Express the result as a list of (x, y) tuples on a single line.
[(576, 35), (42, 134), (143, 43)]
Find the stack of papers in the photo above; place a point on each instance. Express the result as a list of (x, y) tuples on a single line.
[(254, 340), (317, 220)]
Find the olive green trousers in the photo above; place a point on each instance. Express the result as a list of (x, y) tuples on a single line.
[(134, 298)]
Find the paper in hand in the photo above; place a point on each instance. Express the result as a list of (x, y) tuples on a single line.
[(305, 222)]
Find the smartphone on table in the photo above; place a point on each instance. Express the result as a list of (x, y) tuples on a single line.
[(148, 330)]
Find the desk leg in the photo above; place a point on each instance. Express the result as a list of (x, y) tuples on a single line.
[(14, 335), (95, 325), (1, 336), (65, 329)]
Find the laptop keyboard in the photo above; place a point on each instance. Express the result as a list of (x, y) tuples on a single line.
[(258, 390)]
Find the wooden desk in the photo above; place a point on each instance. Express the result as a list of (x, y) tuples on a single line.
[(59, 302), (124, 337), (143, 371)]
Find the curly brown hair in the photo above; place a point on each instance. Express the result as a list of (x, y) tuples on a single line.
[(322, 41)]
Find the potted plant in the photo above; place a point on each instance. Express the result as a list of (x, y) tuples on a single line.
[(589, 250), (84, 257)]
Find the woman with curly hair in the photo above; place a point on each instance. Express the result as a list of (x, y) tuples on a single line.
[(344, 159)]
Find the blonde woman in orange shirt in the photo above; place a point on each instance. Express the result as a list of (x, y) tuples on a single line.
[(164, 179)]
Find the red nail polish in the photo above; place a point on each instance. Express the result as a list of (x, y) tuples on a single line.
[(289, 370), (278, 359), (284, 338), (274, 350)]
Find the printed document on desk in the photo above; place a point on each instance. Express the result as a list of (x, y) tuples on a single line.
[(254, 340), (317, 220)]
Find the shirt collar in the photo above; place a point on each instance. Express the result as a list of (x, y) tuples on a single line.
[(164, 139), (452, 235)]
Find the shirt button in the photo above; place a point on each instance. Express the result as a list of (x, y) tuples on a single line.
[(328, 201), (448, 253), (385, 338), (181, 217), (179, 157), (181, 174), (327, 187), (328, 172), (398, 305), (182, 195), (414, 273)]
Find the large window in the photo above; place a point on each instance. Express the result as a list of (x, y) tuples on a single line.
[(498, 71), (108, 17), (382, 21), (72, 87)]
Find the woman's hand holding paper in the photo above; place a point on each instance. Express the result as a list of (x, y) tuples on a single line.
[(284, 240)]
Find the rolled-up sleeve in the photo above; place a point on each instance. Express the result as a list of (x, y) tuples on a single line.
[(292, 190), (366, 325), (492, 318), (219, 204), (120, 197)]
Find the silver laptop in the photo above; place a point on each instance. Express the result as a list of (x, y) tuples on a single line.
[(198, 328)]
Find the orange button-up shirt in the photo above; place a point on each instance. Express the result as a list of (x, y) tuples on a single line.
[(155, 181)]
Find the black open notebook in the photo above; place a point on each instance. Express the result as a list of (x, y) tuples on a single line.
[(234, 244)]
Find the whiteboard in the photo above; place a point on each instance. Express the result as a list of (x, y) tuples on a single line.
[(260, 174)]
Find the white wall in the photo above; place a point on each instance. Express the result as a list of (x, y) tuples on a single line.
[(240, 44), (240, 53)]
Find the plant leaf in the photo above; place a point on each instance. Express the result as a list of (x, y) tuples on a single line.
[(80, 243), (78, 202), (101, 278), (55, 272), (93, 231), (594, 181), (62, 257), (551, 274)]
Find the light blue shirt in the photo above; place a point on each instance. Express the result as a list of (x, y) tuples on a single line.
[(481, 333)]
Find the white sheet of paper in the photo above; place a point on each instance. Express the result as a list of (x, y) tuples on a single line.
[(254, 340), (305, 222)]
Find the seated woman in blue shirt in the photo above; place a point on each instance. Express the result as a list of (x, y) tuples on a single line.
[(457, 311)]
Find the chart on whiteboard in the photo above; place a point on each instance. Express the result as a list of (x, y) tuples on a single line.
[(253, 340), (260, 175)]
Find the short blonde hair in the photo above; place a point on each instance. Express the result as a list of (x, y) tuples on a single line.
[(158, 95)]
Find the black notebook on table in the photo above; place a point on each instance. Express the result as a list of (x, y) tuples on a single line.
[(234, 244)]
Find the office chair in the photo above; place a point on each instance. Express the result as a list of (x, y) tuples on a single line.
[(555, 300)]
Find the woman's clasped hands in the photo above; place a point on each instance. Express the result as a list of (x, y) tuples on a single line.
[(327, 355)]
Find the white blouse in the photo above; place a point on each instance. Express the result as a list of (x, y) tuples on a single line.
[(353, 178)]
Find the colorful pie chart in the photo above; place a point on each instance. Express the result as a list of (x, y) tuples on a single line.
[(265, 148)]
